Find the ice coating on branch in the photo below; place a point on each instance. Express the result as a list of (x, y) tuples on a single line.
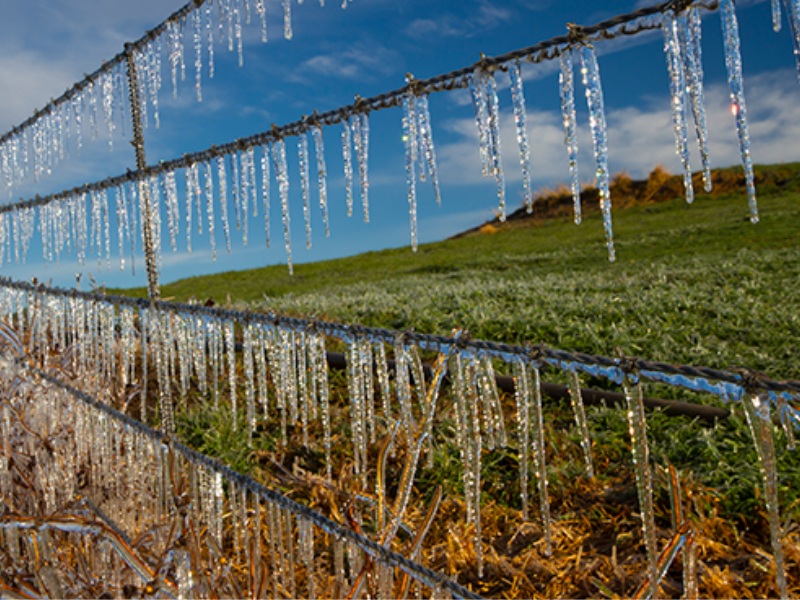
[(677, 85), (597, 122), (733, 64), (302, 153), (410, 139), (758, 417), (521, 119), (689, 35), (282, 175), (347, 157), (644, 478)]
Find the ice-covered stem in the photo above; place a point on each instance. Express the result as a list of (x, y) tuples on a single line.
[(760, 421), (644, 478), (733, 64), (677, 86), (597, 122)]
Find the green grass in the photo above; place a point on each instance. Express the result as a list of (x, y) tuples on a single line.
[(695, 284)]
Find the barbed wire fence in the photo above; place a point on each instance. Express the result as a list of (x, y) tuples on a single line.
[(181, 341)]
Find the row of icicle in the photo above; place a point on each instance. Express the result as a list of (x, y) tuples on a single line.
[(32, 152), (207, 185), (286, 382), (98, 484)]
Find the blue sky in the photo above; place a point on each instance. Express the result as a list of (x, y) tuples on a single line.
[(367, 49)]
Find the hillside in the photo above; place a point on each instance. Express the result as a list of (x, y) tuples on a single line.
[(652, 223)]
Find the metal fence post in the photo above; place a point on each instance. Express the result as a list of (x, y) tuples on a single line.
[(145, 207)]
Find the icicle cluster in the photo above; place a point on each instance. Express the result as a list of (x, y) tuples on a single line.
[(102, 481), (597, 122), (30, 152), (733, 64), (276, 371), (487, 117), (420, 153), (682, 33)]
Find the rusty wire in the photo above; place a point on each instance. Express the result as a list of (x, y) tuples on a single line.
[(745, 378)]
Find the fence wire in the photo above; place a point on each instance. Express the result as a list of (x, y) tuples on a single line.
[(627, 24)]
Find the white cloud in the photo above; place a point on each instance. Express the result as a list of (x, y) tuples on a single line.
[(639, 138), (357, 63)]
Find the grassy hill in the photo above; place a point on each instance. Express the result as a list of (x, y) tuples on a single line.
[(692, 283)]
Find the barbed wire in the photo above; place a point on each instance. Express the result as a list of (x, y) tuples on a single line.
[(424, 574), (90, 79), (627, 24), (745, 378)]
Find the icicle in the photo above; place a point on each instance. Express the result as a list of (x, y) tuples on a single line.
[(426, 147), (495, 152), (522, 395), (209, 187), (287, 19), (476, 87), (758, 417), (361, 142), (776, 15), (793, 15), (282, 175), (175, 32), (410, 138), (644, 479), (231, 352), (689, 34), (677, 78), (597, 121), (262, 12), (733, 63), (578, 410), (197, 21), (302, 152), (265, 188), (347, 156), (238, 29), (322, 175), (210, 37), (521, 119), (223, 200), (540, 459)]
